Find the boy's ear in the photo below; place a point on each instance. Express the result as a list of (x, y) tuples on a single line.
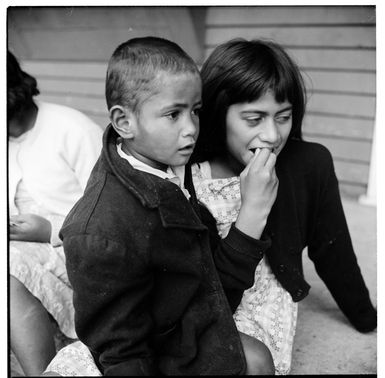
[(122, 120)]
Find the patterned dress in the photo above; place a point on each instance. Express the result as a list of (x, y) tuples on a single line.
[(267, 311)]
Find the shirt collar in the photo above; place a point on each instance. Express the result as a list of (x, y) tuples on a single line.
[(174, 174)]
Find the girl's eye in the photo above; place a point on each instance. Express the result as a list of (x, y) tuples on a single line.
[(283, 119), (254, 121)]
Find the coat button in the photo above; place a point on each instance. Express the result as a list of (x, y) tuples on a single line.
[(282, 268)]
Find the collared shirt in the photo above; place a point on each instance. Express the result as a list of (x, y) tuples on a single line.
[(174, 174)]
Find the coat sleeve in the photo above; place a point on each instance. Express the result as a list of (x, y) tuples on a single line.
[(111, 293), (331, 250), (236, 258)]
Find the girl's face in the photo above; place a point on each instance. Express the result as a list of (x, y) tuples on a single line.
[(263, 123)]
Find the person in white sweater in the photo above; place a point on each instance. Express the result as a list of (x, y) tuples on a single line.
[(51, 152)]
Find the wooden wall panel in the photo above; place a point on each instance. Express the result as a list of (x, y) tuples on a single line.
[(360, 83), (341, 104), (349, 150), (351, 190), (58, 69), (92, 33), (339, 60), (88, 105), (340, 127), (92, 88), (281, 15), (330, 59), (351, 173), (339, 36)]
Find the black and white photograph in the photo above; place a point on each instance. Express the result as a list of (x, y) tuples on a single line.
[(192, 189)]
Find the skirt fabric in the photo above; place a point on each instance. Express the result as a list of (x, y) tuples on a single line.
[(40, 267)]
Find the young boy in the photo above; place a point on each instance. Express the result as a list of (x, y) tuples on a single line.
[(152, 280)]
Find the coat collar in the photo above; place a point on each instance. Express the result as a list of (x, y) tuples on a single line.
[(152, 191)]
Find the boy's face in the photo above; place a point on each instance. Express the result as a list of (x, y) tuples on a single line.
[(167, 126)]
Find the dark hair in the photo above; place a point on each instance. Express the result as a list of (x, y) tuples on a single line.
[(21, 88), (134, 66), (241, 71)]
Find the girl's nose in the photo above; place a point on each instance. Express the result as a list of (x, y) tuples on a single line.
[(270, 133)]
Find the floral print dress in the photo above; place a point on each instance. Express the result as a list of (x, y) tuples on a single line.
[(267, 311)]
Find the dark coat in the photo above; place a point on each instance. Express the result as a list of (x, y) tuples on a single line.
[(308, 213), (152, 280)]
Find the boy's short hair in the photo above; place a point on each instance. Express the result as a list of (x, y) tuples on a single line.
[(21, 88), (135, 64)]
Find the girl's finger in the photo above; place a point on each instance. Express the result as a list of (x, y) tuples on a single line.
[(250, 163), (261, 158), (270, 162)]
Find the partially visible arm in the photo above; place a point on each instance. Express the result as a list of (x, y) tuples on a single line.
[(332, 252), (29, 227), (111, 287), (236, 258)]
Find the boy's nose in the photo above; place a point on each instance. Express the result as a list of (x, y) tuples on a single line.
[(190, 127)]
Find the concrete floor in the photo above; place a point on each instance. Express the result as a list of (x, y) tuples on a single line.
[(325, 343)]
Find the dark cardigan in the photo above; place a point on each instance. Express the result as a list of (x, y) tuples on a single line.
[(152, 280), (308, 213)]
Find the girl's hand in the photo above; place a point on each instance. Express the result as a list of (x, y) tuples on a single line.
[(30, 227), (259, 185)]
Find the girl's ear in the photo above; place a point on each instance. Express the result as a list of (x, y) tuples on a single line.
[(122, 120)]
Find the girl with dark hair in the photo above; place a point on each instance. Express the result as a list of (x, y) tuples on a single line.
[(51, 152), (253, 105)]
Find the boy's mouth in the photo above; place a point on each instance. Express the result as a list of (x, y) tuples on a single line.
[(187, 148)]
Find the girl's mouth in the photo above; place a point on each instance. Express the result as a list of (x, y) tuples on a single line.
[(255, 151)]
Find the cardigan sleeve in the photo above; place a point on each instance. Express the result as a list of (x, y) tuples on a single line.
[(236, 258), (110, 300), (332, 252)]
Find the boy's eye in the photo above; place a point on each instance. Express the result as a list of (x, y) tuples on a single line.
[(196, 111), (173, 115)]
